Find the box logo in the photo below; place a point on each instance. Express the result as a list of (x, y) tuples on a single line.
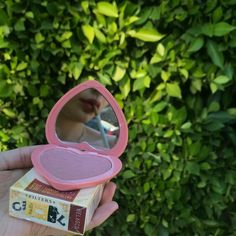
[(37, 186), (77, 218)]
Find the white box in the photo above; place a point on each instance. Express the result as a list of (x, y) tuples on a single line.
[(31, 198)]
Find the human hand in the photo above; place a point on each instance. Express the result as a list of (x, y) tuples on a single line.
[(13, 165)]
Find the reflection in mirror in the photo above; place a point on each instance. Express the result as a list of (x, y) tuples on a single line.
[(88, 117)]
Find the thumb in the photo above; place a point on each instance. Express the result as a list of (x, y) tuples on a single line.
[(17, 158)]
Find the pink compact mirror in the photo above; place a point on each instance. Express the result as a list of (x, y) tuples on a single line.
[(87, 132)]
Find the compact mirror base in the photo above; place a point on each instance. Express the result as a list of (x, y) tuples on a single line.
[(70, 169)]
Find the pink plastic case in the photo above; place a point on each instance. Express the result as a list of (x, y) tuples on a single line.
[(71, 165)]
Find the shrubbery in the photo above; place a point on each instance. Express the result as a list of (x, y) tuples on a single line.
[(170, 65)]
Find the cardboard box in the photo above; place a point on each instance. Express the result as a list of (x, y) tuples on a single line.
[(31, 198)]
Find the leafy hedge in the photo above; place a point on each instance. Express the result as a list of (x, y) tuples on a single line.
[(170, 65)]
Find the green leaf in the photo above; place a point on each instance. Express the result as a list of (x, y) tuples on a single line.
[(21, 66), (168, 133), (146, 35), (147, 81), (146, 187), (66, 44), (230, 177), (186, 125), (38, 101), (131, 20), (161, 49), (194, 148), (214, 53), (101, 20), (165, 75), (112, 28), (211, 223), (155, 59), (119, 73), (66, 35), (53, 8), (221, 116), (99, 35), (160, 106), (141, 83), (214, 126), (201, 184), (232, 43), (88, 33), (104, 78), (205, 166), (218, 185), (195, 30), (29, 14), (125, 88), (77, 70), (3, 17), (193, 168), (130, 218), (3, 44), (85, 6), (4, 137), (39, 38), (173, 90), (128, 174), (184, 72), (9, 112), (165, 223), (217, 14), (107, 9), (232, 111), (229, 70), (214, 106), (44, 90), (148, 229), (20, 25), (213, 87), (208, 29), (196, 44), (167, 173), (222, 79), (161, 231), (223, 28)]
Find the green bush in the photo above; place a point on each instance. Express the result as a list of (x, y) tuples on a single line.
[(170, 65)]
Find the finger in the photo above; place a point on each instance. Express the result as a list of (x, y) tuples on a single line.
[(108, 193), (102, 213), (16, 159)]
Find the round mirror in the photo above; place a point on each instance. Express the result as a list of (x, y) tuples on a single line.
[(88, 117)]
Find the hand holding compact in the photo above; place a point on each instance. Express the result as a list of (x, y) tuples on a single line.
[(14, 164)]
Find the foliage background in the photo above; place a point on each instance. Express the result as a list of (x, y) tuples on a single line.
[(170, 65)]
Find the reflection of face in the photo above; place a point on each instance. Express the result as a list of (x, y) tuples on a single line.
[(81, 108)]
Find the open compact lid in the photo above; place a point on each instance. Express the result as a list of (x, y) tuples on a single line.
[(88, 118), (87, 132)]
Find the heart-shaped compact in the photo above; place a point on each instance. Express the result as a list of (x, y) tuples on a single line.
[(87, 132)]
